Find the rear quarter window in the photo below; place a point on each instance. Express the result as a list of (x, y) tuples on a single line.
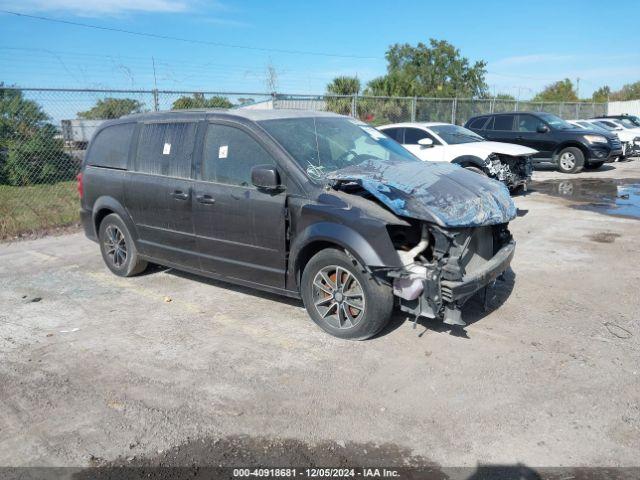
[(110, 148), (166, 149), (478, 123)]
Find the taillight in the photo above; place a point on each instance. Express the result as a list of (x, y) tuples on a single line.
[(80, 185)]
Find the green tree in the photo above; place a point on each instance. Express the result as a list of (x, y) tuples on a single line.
[(30, 148), (344, 86), (601, 95), (198, 100), (560, 91), (630, 91), (112, 108), (341, 86), (434, 70)]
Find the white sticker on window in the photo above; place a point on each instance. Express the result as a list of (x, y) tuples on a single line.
[(167, 149), (223, 151)]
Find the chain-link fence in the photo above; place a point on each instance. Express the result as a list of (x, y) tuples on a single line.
[(44, 134)]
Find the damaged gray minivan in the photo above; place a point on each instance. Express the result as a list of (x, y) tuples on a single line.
[(310, 205)]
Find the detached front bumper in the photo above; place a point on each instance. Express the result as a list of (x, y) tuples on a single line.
[(425, 291), (460, 291)]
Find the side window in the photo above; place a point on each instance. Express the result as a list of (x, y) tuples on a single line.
[(395, 133), (110, 148), (478, 123), (503, 122), (229, 155), (412, 135), (528, 123), (166, 149)]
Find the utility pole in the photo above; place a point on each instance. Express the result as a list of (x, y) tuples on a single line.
[(578, 87), (156, 107)]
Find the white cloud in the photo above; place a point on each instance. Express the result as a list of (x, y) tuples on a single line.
[(99, 7), (533, 59)]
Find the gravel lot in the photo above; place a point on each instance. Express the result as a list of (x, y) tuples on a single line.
[(167, 367)]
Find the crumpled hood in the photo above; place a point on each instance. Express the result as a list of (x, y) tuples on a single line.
[(501, 148), (441, 193)]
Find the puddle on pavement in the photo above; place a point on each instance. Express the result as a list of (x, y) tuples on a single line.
[(610, 196)]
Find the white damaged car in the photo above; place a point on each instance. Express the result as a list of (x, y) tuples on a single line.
[(445, 142)]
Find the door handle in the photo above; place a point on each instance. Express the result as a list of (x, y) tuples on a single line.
[(206, 199), (179, 195)]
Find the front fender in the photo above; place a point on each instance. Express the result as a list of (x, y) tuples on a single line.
[(349, 239)]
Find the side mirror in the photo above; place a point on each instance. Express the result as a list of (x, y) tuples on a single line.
[(265, 177), (542, 128), (425, 142)]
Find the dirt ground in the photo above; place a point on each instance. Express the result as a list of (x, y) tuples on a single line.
[(99, 370)]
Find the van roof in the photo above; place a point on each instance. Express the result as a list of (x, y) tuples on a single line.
[(249, 114)]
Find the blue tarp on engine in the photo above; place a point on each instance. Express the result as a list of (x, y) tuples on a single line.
[(442, 193)]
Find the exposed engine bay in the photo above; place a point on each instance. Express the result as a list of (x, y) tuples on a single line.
[(443, 268), (512, 171)]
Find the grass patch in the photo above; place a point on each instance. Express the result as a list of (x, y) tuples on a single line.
[(38, 207)]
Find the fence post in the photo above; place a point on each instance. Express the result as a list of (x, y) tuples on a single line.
[(414, 101), (156, 103), (454, 106), (492, 105)]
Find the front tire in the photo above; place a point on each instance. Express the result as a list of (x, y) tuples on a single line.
[(118, 249), (570, 160), (342, 298)]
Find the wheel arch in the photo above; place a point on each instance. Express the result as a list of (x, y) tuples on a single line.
[(571, 143), (470, 161), (323, 235), (106, 205)]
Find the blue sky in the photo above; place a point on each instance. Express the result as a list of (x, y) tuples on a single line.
[(526, 44)]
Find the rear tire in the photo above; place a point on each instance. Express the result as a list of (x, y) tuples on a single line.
[(118, 249), (593, 165), (342, 298), (570, 160)]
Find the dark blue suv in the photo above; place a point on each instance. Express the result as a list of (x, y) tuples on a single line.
[(567, 147)]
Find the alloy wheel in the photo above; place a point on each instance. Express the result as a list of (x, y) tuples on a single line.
[(115, 246), (567, 161), (338, 297)]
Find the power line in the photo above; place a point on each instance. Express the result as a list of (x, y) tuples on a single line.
[(187, 40)]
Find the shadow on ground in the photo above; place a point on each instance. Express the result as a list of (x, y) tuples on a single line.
[(474, 310), (216, 459)]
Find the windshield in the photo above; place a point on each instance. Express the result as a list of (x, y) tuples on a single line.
[(633, 119), (322, 145), (607, 125), (593, 126), (453, 134), (627, 123), (556, 122)]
